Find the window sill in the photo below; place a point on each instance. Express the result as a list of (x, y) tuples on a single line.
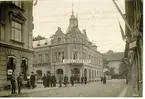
[(17, 42)]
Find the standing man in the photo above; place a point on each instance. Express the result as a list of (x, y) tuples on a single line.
[(19, 81), (101, 79), (65, 80), (13, 83), (72, 80), (104, 79), (32, 80), (85, 79), (82, 80), (51, 80), (44, 81), (60, 80), (28, 81), (48, 80), (54, 80)]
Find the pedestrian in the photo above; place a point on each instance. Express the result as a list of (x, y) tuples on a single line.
[(72, 80), (104, 80), (48, 80), (65, 80), (44, 78), (51, 80), (54, 81), (60, 80), (28, 82), (32, 80), (101, 79), (13, 84), (19, 81), (85, 79), (82, 80)]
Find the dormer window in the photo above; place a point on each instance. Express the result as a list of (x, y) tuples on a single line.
[(59, 40)]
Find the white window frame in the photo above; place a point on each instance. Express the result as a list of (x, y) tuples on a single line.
[(16, 31)]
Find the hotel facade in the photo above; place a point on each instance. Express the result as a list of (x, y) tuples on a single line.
[(69, 53)]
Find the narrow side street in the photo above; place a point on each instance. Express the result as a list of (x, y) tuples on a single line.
[(112, 88)]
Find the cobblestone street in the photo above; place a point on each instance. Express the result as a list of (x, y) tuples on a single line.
[(112, 88)]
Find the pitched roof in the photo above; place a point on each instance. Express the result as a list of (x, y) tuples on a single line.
[(114, 56)]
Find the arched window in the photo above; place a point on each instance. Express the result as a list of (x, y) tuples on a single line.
[(59, 71), (11, 66), (24, 67)]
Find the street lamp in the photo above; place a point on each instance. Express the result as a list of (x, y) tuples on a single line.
[(54, 68)]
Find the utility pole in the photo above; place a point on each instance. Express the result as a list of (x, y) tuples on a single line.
[(54, 68)]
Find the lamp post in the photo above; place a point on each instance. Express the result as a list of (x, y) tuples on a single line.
[(54, 68)]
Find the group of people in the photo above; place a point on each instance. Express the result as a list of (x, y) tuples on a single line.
[(15, 81), (49, 80), (103, 79), (83, 80), (19, 82)]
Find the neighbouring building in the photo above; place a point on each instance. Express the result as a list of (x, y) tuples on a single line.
[(16, 53), (63, 54), (114, 59), (134, 44)]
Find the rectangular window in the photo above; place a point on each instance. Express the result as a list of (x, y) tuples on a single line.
[(62, 55), (59, 55), (55, 55), (16, 31), (59, 40), (40, 58), (46, 58)]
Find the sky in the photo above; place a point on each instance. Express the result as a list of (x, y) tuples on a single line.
[(98, 17)]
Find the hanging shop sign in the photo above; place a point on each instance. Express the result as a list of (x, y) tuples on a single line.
[(133, 44), (10, 71)]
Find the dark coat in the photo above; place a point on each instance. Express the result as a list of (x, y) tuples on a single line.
[(32, 78), (13, 79), (65, 79), (44, 80), (72, 80)]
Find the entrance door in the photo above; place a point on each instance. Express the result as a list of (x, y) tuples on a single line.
[(76, 73)]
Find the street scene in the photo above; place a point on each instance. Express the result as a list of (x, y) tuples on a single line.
[(71, 48)]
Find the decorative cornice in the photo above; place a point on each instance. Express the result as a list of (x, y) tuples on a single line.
[(2, 44), (17, 17)]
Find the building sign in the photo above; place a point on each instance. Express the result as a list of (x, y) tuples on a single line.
[(76, 61), (132, 44), (10, 72)]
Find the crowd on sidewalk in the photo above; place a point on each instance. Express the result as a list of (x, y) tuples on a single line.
[(49, 80)]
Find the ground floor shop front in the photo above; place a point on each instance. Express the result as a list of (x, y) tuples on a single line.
[(77, 70)]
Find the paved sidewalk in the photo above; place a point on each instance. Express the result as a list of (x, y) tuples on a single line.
[(7, 93)]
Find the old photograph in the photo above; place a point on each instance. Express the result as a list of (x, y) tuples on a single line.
[(71, 48)]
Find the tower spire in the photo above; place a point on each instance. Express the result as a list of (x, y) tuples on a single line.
[(72, 7)]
